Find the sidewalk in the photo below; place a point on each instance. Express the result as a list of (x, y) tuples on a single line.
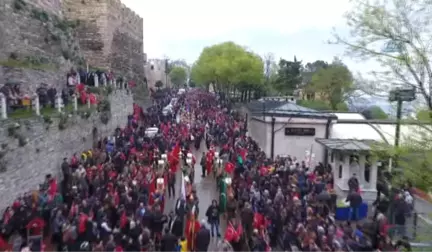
[(423, 209)]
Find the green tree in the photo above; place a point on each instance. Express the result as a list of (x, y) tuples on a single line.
[(332, 84), (311, 68), (314, 104), (423, 115), (289, 76), (374, 112), (191, 83), (178, 76), (229, 68), (402, 29), (159, 84)]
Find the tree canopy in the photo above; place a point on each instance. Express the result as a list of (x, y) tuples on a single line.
[(395, 34), (159, 84), (227, 66), (178, 76), (230, 67), (332, 83), (289, 76)]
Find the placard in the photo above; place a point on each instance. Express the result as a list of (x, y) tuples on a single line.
[(299, 131)]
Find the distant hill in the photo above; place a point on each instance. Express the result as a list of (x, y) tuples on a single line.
[(359, 103)]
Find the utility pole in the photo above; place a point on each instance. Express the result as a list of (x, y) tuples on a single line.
[(166, 72)]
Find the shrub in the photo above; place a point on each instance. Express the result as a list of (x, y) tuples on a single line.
[(104, 106), (19, 4), (104, 117), (22, 141), (63, 122), (86, 114), (40, 15), (47, 119)]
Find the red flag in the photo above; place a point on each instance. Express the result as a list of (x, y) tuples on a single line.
[(233, 234), (229, 167), (259, 221), (176, 150)]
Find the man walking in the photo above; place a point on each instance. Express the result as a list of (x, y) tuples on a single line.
[(203, 165), (171, 184), (213, 217), (202, 238)]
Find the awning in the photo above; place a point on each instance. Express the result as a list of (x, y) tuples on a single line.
[(347, 144)]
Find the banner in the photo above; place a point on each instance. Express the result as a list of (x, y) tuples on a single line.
[(183, 188)]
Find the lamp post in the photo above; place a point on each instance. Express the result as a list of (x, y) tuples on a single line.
[(400, 95)]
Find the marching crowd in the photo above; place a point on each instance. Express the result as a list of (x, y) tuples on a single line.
[(112, 196)]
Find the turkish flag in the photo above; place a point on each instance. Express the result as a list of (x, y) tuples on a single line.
[(229, 167)]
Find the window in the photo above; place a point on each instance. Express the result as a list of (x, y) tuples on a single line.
[(310, 96), (151, 67), (340, 171), (367, 169), (332, 157), (353, 158)]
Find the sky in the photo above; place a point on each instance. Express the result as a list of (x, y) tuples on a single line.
[(286, 28)]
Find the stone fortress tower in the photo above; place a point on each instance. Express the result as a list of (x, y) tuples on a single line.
[(42, 39)]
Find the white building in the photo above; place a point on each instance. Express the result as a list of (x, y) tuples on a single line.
[(342, 140)]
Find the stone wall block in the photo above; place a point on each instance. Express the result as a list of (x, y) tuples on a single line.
[(27, 165)]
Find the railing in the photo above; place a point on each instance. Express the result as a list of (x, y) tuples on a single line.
[(32, 105), (416, 230)]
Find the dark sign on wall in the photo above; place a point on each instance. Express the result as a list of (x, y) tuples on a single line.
[(299, 131)]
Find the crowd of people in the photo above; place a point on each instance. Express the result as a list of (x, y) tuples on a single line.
[(78, 83), (111, 197)]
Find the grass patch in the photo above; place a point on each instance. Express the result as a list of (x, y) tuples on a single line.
[(101, 90), (27, 64), (21, 114), (47, 111)]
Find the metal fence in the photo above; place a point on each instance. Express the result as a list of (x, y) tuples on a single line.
[(417, 230)]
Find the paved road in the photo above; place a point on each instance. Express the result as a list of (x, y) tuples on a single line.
[(206, 190)]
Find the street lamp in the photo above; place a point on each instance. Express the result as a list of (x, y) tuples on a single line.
[(400, 95)]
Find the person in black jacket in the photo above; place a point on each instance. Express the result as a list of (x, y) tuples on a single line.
[(169, 242), (202, 238), (355, 200), (213, 217), (353, 183), (203, 165), (175, 225)]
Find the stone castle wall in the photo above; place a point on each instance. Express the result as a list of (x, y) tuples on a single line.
[(36, 44), (56, 35), (26, 166), (111, 36)]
